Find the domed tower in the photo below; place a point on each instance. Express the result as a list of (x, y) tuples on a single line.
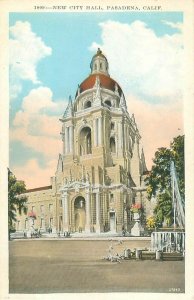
[(100, 164)]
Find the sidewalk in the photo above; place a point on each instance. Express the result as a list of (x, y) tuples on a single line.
[(89, 236)]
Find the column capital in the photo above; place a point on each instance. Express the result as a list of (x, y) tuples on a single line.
[(97, 190), (88, 191), (64, 192)]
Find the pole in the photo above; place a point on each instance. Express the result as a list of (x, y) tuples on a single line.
[(173, 196)]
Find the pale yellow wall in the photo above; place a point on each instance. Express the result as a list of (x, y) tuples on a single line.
[(36, 199)]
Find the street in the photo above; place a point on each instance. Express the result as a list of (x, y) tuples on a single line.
[(59, 266)]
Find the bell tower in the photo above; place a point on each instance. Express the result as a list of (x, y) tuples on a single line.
[(100, 162)]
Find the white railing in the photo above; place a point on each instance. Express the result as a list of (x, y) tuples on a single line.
[(168, 241)]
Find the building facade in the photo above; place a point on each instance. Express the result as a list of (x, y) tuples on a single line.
[(101, 171)]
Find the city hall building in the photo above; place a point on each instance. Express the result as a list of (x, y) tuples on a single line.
[(101, 171)]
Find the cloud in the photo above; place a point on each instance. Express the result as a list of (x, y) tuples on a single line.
[(149, 69), (33, 175), (146, 65), (177, 25), (157, 124), (33, 125), (26, 50)]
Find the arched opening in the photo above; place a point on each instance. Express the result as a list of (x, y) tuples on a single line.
[(112, 217), (112, 125), (112, 145), (87, 104), (79, 214), (85, 141), (107, 102)]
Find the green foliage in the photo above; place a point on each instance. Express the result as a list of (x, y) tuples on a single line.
[(163, 210), (159, 181), (177, 147), (16, 201), (159, 178)]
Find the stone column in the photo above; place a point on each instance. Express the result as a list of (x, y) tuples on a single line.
[(87, 227), (95, 132), (100, 131), (65, 211), (125, 137), (71, 139), (98, 212), (125, 211), (116, 144), (54, 230), (120, 135), (66, 140), (58, 223)]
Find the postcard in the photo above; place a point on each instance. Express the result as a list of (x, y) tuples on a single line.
[(97, 149)]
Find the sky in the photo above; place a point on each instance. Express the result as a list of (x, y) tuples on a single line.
[(50, 55)]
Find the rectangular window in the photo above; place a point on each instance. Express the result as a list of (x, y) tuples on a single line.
[(60, 203), (33, 208), (42, 208), (111, 198), (50, 207), (51, 222), (26, 224)]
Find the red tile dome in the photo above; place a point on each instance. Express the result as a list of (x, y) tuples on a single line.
[(105, 82)]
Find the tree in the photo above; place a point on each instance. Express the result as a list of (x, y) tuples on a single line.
[(159, 181), (16, 201), (164, 209)]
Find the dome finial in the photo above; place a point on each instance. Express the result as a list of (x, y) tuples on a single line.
[(99, 51)]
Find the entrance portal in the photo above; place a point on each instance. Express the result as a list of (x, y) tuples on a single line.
[(112, 221), (79, 214)]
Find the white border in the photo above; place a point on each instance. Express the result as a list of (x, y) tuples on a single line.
[(166, 5)]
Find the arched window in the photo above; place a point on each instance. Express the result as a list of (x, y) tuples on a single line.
[(112, 145), (112, 125), (79, 214), (79, 202), (107, 102), (85, 141), (87, 104)]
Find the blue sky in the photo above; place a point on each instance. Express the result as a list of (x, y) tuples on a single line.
[(70, 36), (70, 40)]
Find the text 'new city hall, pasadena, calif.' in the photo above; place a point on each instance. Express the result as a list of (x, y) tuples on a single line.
[(101, 171)]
